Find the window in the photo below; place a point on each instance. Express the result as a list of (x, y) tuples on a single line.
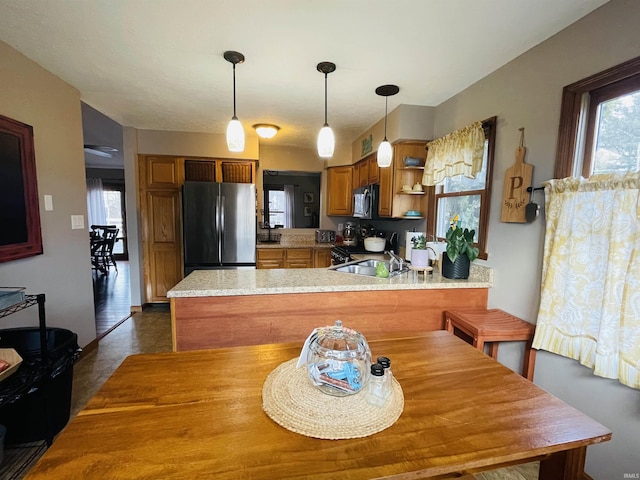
[(600, 123), (114, 205), (274, 205), (467, 197)]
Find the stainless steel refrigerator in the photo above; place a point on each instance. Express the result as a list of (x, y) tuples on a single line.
[(219, 221)]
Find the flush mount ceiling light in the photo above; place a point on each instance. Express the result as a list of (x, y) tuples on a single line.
[(326, 140), (266, 130), (385, 153), (100, 150), (235, 132)]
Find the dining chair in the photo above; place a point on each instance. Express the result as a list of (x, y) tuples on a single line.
[(103, 239)]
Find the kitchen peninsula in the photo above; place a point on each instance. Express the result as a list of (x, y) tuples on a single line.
[(224, 308)]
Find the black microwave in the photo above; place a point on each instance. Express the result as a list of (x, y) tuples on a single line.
[(365, 202)]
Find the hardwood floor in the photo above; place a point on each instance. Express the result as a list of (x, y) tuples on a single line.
[(111, 298)]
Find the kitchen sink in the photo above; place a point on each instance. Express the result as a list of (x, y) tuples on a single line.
[(360, 270), (367, 267)]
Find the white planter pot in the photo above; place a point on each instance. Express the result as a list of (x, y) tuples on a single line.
[(420, 258)]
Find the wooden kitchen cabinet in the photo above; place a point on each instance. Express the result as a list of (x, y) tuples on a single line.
[(270, 258), (160, 194), (161, 172), (322, 257), (161, 179), (293, 257), (374, 170), (363, 173), (367, 171), (298, 258), (162, 241), (340, 191), (385, 199), (403, 175)]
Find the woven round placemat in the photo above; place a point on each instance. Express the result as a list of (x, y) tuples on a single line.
[(289, 398)]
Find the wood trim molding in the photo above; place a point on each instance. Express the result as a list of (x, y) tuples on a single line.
[(90, 347), (571, 106)]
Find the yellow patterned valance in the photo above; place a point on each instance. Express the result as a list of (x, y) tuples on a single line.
[(458, 153)]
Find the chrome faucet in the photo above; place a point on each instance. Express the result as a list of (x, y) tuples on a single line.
[(395, 259)]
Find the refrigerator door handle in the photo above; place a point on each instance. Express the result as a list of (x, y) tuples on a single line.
[(221, 227)]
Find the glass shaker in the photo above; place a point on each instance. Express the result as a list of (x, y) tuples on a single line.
[(386, 363), (379, 386)]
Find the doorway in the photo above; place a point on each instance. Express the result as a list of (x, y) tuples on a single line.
[(115, 210), (104, 161)]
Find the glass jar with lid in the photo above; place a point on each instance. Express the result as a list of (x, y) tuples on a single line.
[(338, 360)]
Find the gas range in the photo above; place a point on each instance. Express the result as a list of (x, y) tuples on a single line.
[(342, 253)]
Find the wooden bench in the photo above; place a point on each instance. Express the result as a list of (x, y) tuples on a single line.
[(491, 327)]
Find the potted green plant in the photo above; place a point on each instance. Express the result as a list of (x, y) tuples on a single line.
[(460, 252), (419, 252)]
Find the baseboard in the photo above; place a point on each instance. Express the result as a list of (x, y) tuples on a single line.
[(90, 347), (136, 308)]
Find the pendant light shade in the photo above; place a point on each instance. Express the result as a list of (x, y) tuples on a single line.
[(326, 139), (235, 132), (385, 152), (235, 136), (326, 142)]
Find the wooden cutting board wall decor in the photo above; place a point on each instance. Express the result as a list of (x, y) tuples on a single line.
[(514, 193)]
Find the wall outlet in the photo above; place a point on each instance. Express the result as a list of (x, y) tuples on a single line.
[(77, 222)]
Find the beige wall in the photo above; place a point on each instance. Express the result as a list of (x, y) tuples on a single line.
[(406, 122), (527, 93), (193, 144), (34, 96)]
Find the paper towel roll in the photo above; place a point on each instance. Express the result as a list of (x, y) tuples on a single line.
[(408, 235), (438, 247)]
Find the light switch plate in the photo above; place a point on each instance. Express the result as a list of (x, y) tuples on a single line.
[(77, 222), (48, 203)]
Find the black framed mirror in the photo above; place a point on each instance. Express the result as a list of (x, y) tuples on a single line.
[(20, 234)]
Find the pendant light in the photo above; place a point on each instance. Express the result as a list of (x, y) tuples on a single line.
[(235, 132), (326, 140), (385, 152)]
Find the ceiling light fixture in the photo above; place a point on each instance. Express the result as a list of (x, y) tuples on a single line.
[(235, 132), (326, 140), (385, 153), (266, 130), (100, 150)]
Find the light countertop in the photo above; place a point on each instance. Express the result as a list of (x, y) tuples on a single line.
[(213, 283), (293, 244)]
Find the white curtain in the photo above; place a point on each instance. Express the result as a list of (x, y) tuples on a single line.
[(590, 300), (458, 153), (289, 209), (97, 214)]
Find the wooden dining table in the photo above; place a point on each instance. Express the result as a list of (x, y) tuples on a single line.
[(198, 415)]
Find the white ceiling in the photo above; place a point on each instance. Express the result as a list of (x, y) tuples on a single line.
[(158, 64)]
